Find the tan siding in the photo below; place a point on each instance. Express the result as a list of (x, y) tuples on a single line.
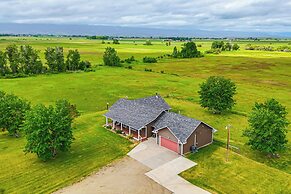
[(167, 134), (203, 137)]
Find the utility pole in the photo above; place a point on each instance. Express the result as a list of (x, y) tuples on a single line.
[(228, 139), (107, 105)]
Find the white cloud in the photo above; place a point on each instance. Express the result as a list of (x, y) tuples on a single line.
[(268, 15)]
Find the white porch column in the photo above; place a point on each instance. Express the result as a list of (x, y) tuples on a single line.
[(157, 137), (113, 124), (181, 151), (129, 131), (121, 126), (106, 121), (146, 131), (138, 134)]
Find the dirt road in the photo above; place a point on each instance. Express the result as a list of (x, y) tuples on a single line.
[(126, 176)]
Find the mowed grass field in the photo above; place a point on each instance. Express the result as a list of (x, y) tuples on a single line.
[(258, 75)]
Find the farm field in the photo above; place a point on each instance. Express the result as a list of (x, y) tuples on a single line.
[(259, 75)]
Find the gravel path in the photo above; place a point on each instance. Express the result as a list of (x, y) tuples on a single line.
[(126, 176)]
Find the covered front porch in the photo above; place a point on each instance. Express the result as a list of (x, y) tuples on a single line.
[(138, 135)]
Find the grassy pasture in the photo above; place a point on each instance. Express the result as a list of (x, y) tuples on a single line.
[(258, 75)]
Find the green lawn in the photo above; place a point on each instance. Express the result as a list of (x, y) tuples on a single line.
[(258, 75), (93, 148), (238, 175)]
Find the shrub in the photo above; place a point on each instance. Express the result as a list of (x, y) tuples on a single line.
[(149, 60), (84, 65), (118, 131), (115, 41), (213, 51), (130, 59), (130, 136), (150, 70), (148, 42)]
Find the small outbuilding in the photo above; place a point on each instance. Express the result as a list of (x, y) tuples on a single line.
[(151, 116)]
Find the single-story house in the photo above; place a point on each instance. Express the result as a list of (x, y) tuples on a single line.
[(151, 116)]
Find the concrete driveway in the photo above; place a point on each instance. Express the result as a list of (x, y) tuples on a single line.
[(151, 154), (166, 166)]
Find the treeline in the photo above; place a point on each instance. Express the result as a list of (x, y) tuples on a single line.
[(268, 48), (18, 61), (219, 46)]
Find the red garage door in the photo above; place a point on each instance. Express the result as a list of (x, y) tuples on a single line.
[(169, 144)]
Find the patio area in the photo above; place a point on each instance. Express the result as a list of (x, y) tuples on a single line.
[(138, 135)]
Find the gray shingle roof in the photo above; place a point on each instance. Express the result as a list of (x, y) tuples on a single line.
[(181, 126), (137, 113)]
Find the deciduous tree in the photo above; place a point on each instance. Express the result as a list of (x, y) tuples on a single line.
[(3, 64), (217, 93), (13, 58), (49, 129), (55, 59), (175, 53), (73, 60), (30, 62), (110, 57), (189, 50), (267, 127), (12, 112)]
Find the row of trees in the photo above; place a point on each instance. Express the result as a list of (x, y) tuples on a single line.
[(284, 48), (48, 130), (25, 60), (188, 50), (224, 46), (267, 122)]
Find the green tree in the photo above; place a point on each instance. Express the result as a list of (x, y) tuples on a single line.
[(12, 112), (267, 127), (217, 93), (175, 53), (235, 47), (30, 62), (115, 41), (73, 60), (49, 129), (217, 45), (110, 57), (227, 46), (189, 50), (148, 42), (3, 64), (55, 59), (13, 58)]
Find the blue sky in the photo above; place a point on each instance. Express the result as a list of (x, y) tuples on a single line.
[(234, 15)]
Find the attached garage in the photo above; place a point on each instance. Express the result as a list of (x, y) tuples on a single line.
[(171, 145), (181, 134)]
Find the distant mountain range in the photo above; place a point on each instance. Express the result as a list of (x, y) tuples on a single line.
[(58, 29)]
